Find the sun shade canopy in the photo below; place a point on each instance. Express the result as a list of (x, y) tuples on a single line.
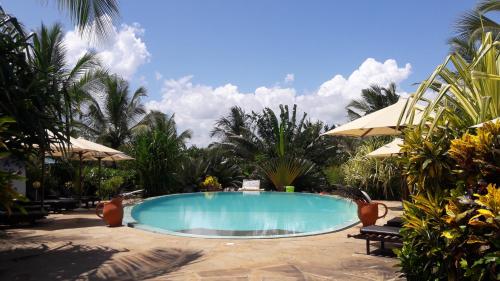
[(382, 122), (388, 150), (80, 148)]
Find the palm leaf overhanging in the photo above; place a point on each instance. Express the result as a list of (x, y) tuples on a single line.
[(465, 93), (372, 99)]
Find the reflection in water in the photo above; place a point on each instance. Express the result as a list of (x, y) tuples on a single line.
[(238, 214)]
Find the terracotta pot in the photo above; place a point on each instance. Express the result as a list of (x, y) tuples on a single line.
[(112, 211), (368, 212)]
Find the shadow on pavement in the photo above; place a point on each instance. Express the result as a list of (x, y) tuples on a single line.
[(70, 262)]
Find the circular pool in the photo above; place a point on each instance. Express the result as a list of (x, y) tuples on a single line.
[(243, 214)]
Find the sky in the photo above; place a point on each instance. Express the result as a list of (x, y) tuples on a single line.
[(199, 58)]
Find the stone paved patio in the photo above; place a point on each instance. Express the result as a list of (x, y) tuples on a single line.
[(77, 246)]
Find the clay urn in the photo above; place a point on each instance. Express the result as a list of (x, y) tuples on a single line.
[(112, 211), (368, 212)]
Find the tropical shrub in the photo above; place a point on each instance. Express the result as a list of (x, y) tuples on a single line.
[(334, 174), (452, 239), (110, 187), (158, 151), (379, 177), (211, 184), (425, 163), (452, 225), (7, 193)]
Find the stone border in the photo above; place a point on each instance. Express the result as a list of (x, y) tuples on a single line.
[(129, 221)]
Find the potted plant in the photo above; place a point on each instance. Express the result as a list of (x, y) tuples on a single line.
[(367, 209)]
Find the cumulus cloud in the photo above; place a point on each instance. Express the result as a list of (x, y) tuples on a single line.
[(122, 53), (197, 106), (290, 77)]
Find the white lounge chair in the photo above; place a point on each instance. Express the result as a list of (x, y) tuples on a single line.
[(250, 185)]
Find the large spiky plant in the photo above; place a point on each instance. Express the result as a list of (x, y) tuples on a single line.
[(471, 25), (460, 93), (283, 169)]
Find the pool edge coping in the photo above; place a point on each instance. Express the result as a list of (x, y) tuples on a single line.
[(129, 221)]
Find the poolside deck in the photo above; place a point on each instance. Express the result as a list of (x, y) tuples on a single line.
[(77, 246)]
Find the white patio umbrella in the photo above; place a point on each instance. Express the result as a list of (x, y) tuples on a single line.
[(382, 122), (388, 150), (481, 124), (85, 150)]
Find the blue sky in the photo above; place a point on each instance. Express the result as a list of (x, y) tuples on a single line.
[(188, 50)]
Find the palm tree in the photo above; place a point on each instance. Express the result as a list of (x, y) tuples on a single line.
[(236, 123), (112, 116), (471, 25), (372, 99), (158, 150), (91, 17), (38, 89), (284, 146), (72, 86)]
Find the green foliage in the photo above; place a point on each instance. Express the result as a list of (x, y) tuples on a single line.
[(158, 151), (112, 121), (468, 92), (478, 156), (460, 241), (372, 99), (426, 164), (452, 225), (110, 187), (283, 171), (34, 99), (379, 177), (91, 179), (470, 26), (93, 18), (334, 175), (256, 142)]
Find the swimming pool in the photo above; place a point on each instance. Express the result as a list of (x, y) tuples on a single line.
[(242, 214)]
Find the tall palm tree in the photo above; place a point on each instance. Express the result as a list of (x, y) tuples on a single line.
[(236, 123), (372, 99), (72, 86), (111, 116), (471, 25), (158, 150)]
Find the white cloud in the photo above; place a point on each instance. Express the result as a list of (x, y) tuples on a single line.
[(197, 106), (122, 53), (158, 75), (290, 77)]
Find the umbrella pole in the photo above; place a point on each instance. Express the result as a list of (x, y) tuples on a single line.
[(80, 179), (42, 178), (99, 174)]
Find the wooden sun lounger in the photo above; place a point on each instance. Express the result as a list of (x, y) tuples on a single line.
[(378, 233), (32, 213)]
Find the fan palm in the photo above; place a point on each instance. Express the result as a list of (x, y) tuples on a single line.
[(112, 116), (372, 99)]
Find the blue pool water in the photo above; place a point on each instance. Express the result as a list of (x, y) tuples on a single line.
[(244, 214)]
